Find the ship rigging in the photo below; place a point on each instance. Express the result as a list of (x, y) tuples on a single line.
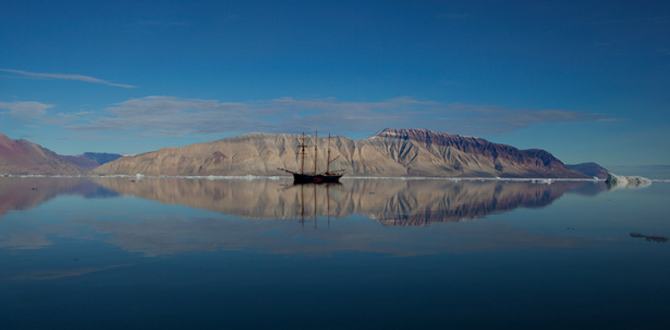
[(333, 169)]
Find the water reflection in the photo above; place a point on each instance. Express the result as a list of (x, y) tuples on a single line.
[(18, 193), (314, 187), (218, 251), (390, 202), (152, 231)]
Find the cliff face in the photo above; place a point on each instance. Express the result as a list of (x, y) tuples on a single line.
[(429, 153), (390, 152), (19, 157)]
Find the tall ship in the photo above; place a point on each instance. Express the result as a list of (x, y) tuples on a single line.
[(333, 172)]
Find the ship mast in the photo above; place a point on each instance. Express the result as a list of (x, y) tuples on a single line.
[(302, 145), (316, 151), (328, 161)]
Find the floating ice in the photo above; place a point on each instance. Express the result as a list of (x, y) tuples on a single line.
[(618, 181)]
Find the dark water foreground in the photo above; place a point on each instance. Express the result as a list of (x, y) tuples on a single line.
[(160, 253)]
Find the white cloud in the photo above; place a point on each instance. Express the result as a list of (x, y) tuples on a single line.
[(171, 116), (67, 77), (26, 110)]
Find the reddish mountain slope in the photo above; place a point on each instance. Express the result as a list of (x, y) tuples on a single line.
[(23, 157)]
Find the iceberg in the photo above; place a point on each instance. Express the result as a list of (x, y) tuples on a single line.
[(618, 181)]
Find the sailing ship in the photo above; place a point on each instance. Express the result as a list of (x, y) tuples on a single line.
[(333, 172)]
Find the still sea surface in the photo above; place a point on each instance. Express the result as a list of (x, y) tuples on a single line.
[(177, 253)]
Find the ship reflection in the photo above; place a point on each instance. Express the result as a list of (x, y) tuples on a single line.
[(313, 187)]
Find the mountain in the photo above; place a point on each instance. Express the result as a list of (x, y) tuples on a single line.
[(591, 169), (83, 162), (428, 153), (91, 160), (389, 153), (19, 157)]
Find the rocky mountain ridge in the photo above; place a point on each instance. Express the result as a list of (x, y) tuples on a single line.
[(389, 153)]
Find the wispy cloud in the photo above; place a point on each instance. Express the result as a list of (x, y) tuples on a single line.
[(25, 110), (171, 116), (66, 77)]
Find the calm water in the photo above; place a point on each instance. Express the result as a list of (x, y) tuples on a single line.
[(108, 253)]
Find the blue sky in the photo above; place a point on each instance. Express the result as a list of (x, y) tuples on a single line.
[(585, 80)]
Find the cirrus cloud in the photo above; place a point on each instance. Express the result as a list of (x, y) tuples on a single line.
[(66, 77)]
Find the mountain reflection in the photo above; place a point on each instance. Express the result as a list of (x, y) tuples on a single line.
[(151, 231), (17, 193), (390, 202)]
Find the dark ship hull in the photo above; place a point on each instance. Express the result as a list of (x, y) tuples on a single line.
[(319, 178)]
